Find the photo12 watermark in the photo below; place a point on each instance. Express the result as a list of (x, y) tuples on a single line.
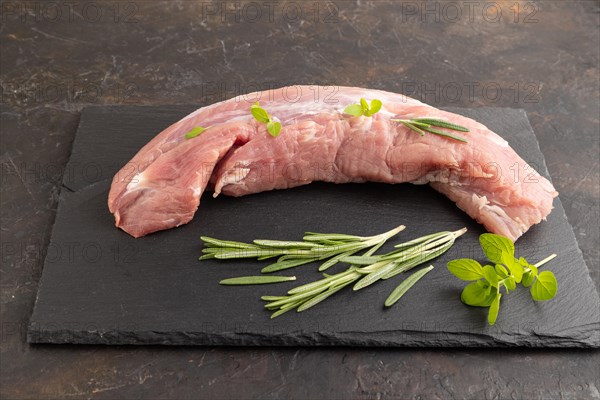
[(452, 92), (72, 174), (68, 91), (495, 12), (473, 91), (290, 12), (69, 11), (254, 91), (71, 252)]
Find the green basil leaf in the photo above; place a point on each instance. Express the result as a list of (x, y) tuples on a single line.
[(259, 113), (197, 130), (523, 262), (544, 287), (497, 248), (494, 308), (501, 271), (477, 294), (529, 276), (375, 107), (364, 105), (466, 269), (527, 280), (489, 273), (534, 269), (274, 128), (515, 268), (510, 283), (354, 109)]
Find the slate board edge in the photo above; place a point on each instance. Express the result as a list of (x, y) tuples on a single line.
[(389, 339), (47, 336)]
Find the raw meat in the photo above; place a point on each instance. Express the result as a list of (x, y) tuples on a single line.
[(160, 187)]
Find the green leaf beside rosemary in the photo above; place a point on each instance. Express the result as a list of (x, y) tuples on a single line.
[(484, 291), (422, 125)]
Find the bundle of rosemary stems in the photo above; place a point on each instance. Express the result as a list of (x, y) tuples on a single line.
[(364, 269), (315, 247)]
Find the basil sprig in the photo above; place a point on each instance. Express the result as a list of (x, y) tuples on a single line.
[(363, 108), (261, 115), (507, 272)]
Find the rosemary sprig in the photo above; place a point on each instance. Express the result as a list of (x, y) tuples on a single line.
[(377, 267), (422, 125), (332, 247)]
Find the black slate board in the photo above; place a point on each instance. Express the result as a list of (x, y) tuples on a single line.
[(99, 285)]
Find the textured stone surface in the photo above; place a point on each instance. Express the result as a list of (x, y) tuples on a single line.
[(167, 52), (101, 286)]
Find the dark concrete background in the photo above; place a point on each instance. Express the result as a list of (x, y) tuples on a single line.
[(57, 57)]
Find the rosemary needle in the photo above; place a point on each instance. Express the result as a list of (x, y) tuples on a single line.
[(256, 280), (405, 285), (422, 125)]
